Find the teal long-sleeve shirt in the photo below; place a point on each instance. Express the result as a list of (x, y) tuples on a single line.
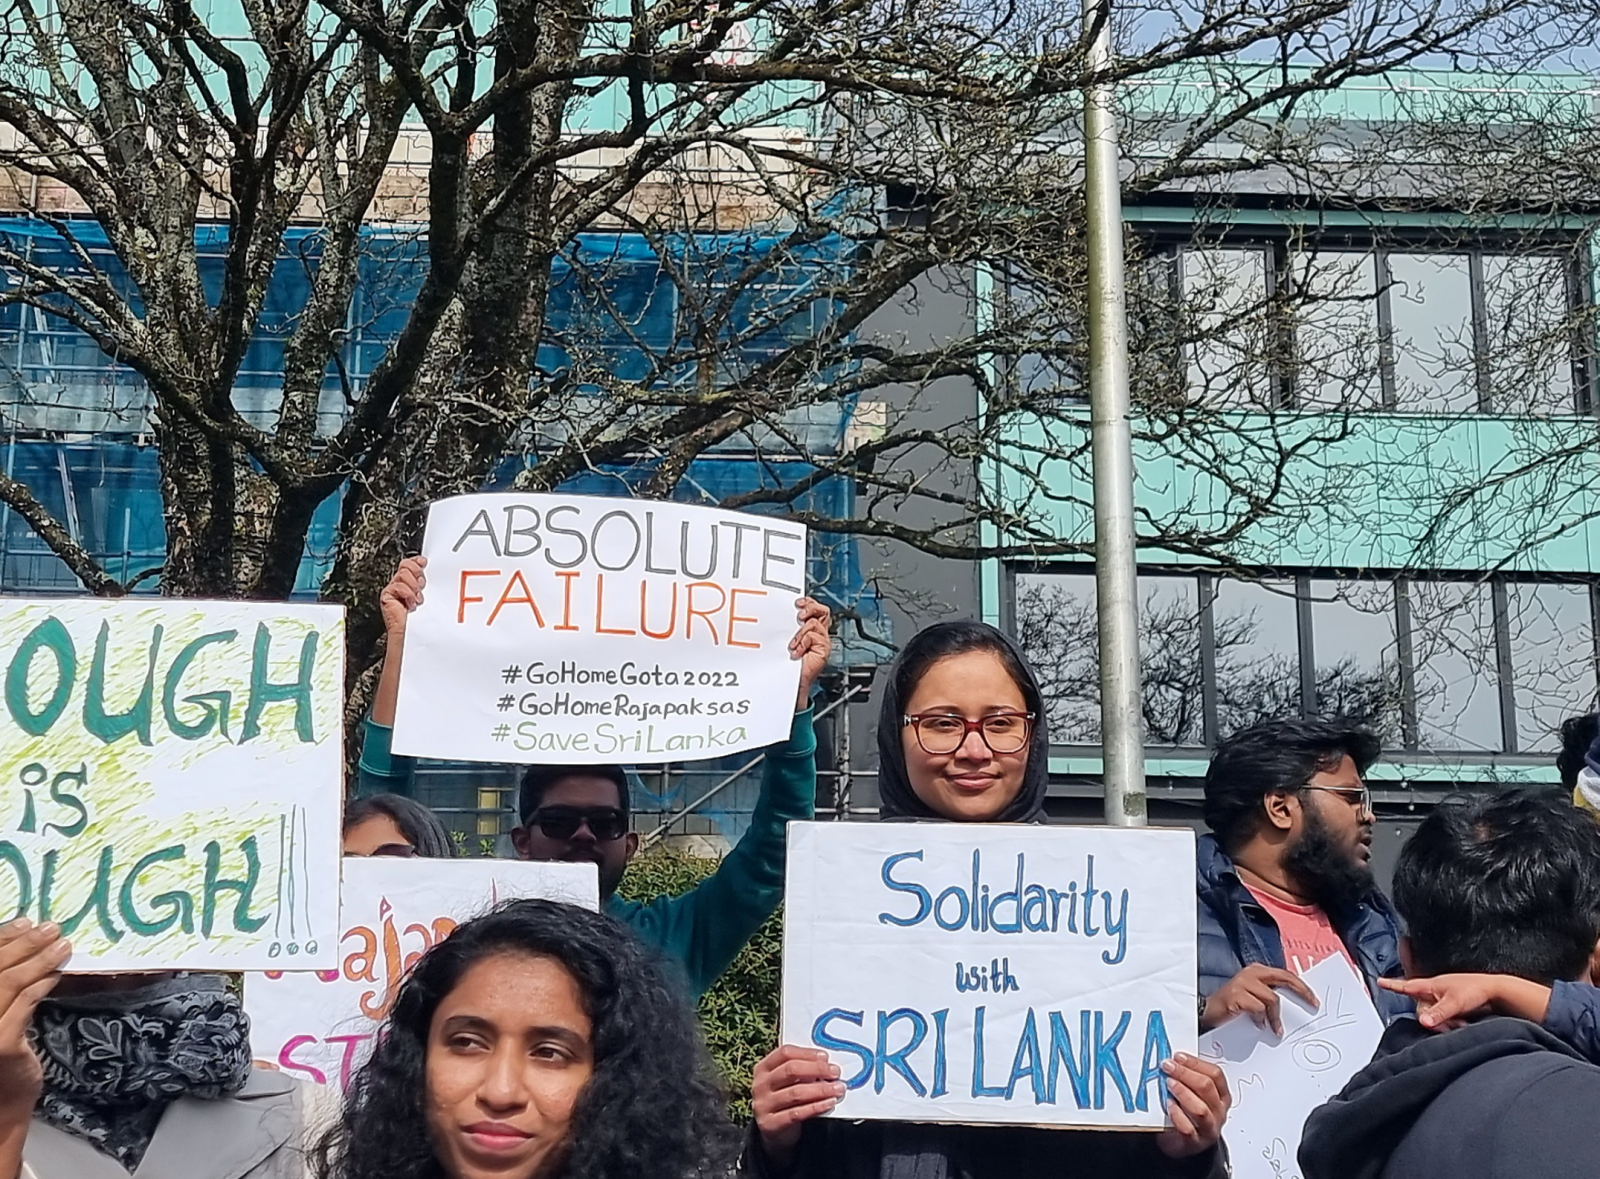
[(704, 929)]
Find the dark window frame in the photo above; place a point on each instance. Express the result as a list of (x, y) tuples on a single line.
[(1500, 658), (1282, 244)]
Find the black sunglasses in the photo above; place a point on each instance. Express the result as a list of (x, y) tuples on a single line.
[(605, 823)]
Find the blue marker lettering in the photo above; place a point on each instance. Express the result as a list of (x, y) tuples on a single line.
[(829, 1043), (939, 1087), (897, 1059), (938, 908), (1026, 1063), (924, 901), (1118, 928), (1156, 1049), (979, 1089), (1107, 1062), (1061, 1053)]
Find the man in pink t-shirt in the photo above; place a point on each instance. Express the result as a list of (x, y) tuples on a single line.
[(1307, 935), (1285, 879)]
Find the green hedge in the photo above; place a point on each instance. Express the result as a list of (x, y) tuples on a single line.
[(740, 1013)]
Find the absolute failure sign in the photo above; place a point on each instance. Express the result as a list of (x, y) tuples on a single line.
[(560, 628)]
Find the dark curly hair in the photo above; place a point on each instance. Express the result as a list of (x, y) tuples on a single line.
[(652, 1106)]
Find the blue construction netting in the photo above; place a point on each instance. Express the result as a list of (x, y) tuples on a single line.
[(620, 302), (76, 421)]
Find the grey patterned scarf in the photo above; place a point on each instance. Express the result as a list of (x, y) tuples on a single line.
[(113, 1062)]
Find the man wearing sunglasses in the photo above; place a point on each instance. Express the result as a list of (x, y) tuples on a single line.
[(1285, 878), (578, 813)]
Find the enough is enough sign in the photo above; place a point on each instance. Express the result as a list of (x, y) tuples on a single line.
[(170, 780)]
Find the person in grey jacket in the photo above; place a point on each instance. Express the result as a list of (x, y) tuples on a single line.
[(109, 1076)]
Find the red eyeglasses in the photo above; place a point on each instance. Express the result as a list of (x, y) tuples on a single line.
[(941, 733)]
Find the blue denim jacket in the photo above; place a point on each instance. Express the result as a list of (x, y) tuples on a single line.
[(1235, 932)]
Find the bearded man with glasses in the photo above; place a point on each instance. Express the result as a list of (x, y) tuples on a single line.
[(1285, 878)]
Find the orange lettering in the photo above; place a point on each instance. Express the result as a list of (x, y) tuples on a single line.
[(690, 613), (461, 608), (567, 576), (734, 616), (644, 614), (416, 955), (526, 599), (367, 954), (391, 968), (600, 628)]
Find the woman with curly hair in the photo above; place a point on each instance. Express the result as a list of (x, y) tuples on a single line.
[(538, 1042)]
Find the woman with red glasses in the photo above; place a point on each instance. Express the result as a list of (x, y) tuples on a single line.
[(961, 739)]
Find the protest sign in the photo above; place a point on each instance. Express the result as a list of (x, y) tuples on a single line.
[(562, 628), (320, 1026), (1277, 1082), (171, 774), (986, 973)]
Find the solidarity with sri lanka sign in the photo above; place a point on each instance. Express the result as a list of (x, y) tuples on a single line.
[(962, 972)]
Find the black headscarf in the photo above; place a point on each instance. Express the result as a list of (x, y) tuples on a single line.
[(910, 1150), (896, 798)]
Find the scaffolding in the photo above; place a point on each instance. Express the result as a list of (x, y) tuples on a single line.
[(76, 424)]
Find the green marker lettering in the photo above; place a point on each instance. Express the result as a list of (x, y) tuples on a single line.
[(217, 706), (51, 636), (113, 727), (11, 855), (77, 777), (179, 905), (99, 897), (263, 691), (242, 921)]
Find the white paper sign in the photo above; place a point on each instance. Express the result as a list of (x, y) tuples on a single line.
[(1276, 1083), (320, 1026), (171, 774), (962, 972), (564, 628)]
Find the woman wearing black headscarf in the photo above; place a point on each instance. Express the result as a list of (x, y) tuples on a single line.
[(960, 740)]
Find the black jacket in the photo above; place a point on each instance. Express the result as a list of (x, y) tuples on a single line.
[(832, 1148), (1497, 1099), (1235, 932)]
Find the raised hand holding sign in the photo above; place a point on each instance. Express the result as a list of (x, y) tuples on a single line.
[(589, 630)]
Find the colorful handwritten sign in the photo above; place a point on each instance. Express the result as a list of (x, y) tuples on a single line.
[(1277, 1082), (559, 628), (320, 1026), (170, 779), (961, 972)]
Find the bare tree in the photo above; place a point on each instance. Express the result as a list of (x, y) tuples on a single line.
[(1252, 682), (872, 145)]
